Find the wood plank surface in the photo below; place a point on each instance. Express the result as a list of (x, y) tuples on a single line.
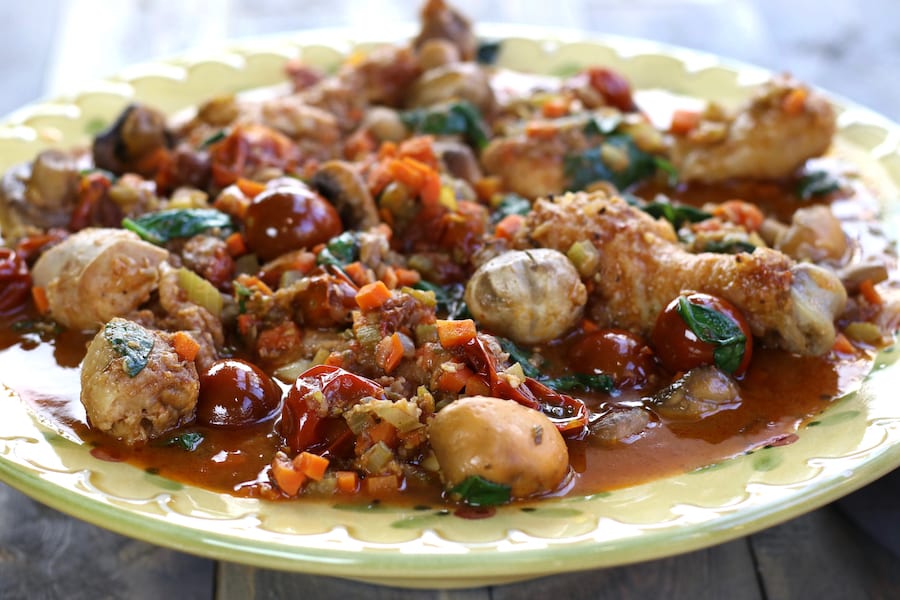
[(45, 554)]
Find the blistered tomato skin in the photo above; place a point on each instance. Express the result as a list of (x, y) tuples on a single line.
[(619, 354), (289, 218), (680, 349), (234, 393), (15, 281)]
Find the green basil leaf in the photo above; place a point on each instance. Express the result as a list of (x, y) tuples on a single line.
[(130, 341), (450, 298), (729, 247), (713, 327), (605, 125), (478, 491), (216, 137), (588, 167), (667, 167), (189, 441), (457, 118), (340, 250), (511, 204), (487, 52), (160, 227), (815, 184), (729, 357), (581, 382), (523, 357), (676, 214)]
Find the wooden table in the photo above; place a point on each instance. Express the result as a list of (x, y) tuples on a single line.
[(847, 46)]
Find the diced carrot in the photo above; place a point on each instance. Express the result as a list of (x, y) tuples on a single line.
[(795, 101), (254, 282), (389, 352), (868, 291), (407, 277), (39, 295), (409, 172), (278, 340), (335, 359), (454, 378), (359, 145), (684, 121), (236, 244), (383, 432), (555, 107), (382, 485), (389, 277), (250, 188), (311, 465), (476, 386), (420, 148), (487, 187), (431, 189), (244, 322), (541, 130), (373, 295), (508, 226), (842, 344), (455, 333), (288, 479), (186, 347), (347, 482), (742, 213), (358, 273), (387, 149)]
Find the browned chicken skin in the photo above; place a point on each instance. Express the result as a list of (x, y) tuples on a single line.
[(642, 267)]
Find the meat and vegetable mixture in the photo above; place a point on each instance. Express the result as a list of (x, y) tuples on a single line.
[(425, 277)]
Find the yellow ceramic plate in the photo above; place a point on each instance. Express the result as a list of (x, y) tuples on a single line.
[(852, 443)]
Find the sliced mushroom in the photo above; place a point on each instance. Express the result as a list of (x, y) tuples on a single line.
[(456, 81), (138, 133), (442, 22), (459, 160), (342, 185), (41, 194), (701, 392)]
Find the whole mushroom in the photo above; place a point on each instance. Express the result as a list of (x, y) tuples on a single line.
[(528, 296)]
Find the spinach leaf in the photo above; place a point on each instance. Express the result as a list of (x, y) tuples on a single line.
[(520, 356), (130, 341), (581, 382), (713, 327), (477, 491), (602, 125), (460, 118), (160, 227), (816, 183), (449, 298), (676, 214), (511, 204), (729, 247), (589, 167), (216, 137), (340, 250), (487, 52), (189, 441)]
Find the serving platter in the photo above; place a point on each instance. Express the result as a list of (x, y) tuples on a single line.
[(856, 440)]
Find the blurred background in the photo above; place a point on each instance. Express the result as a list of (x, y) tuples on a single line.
[(851, 47)]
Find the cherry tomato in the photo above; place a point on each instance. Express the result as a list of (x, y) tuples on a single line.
[(680, 347), (289, 218), (234, 393), (15, 281), (306, 414), (614, 88), (619, 354)]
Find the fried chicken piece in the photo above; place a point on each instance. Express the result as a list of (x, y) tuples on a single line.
[(642, 267), (782, 126)]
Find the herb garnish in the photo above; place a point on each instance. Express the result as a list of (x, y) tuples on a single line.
[(815, 184), (162, 226), (457, 118), (130, 341), (449, 298), (715, 328), (340, 250), (478, 491)]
